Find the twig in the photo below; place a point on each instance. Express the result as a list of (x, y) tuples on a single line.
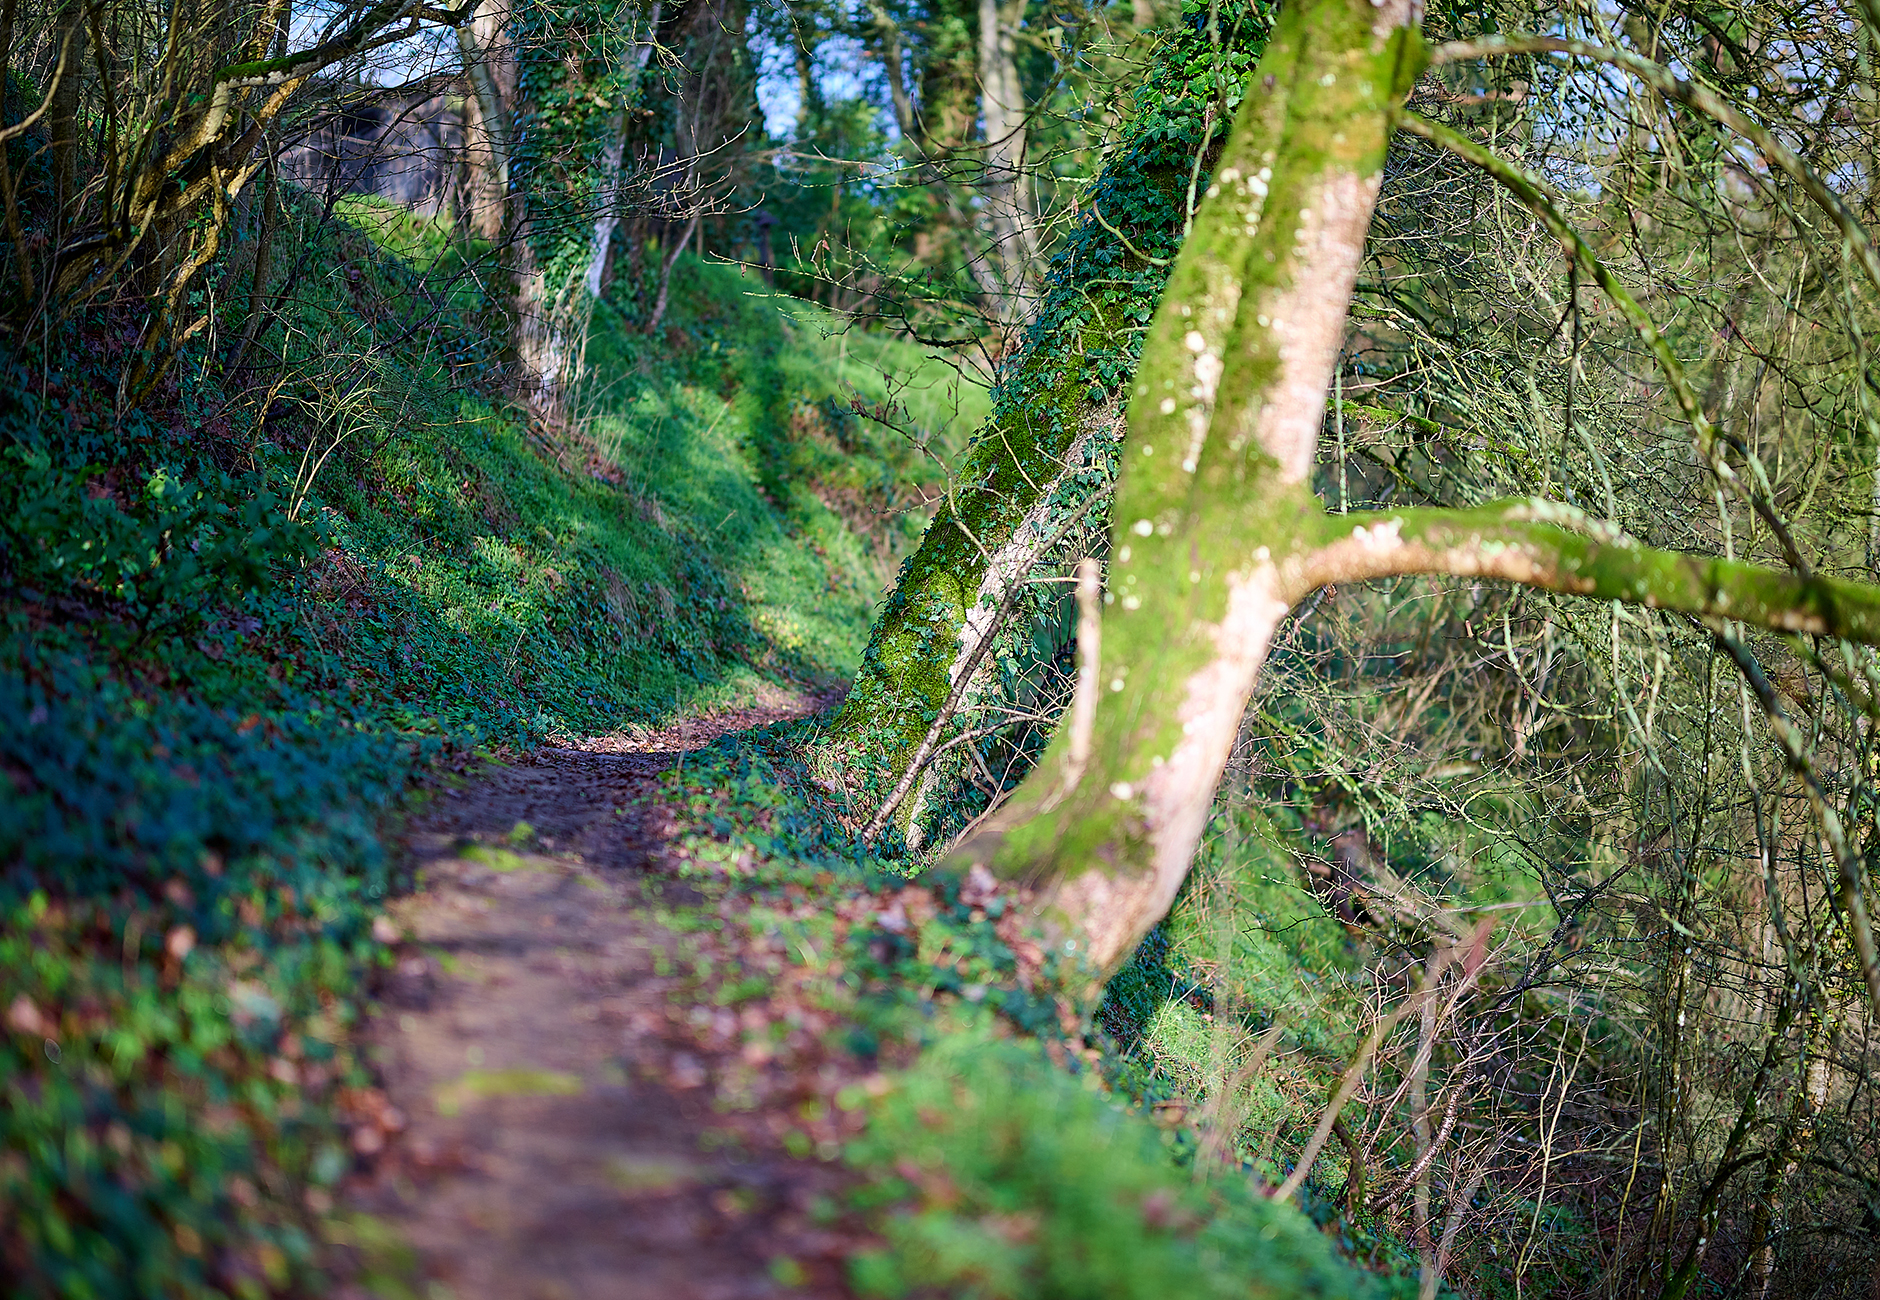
[(1348, 1083)]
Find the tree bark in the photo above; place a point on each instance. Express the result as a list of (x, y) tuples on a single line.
[(486, 141), (62, 124)]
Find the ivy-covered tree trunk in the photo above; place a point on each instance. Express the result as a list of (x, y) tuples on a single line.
[(549, 146), (1217, 534), (1051, 444)]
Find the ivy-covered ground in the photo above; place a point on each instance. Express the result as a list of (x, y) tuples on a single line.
[(221, 674)]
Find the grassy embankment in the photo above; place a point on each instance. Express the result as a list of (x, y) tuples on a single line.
[(219, 672)]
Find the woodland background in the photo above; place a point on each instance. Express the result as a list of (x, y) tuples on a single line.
[(389, 388)]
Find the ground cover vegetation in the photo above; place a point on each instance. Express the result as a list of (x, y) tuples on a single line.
[(1489, 873), (318, 558)]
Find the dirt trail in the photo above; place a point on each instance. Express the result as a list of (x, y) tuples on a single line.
[(543, 1132)]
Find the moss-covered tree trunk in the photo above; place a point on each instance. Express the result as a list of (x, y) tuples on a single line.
[(1224, 420), (1051, 443)]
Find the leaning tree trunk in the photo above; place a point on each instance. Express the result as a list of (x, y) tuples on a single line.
[(1217, 533), (1051, 443)]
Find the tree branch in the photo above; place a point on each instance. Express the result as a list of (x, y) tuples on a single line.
[(1556, 547)]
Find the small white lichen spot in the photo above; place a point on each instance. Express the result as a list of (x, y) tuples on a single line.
[(1264, 320), (1208, 371), (1328, 78), (1122, 790), (1263, 555), (1155, 760), (1116, 683), (1131, 603), (1195, 343), (1147, 450), (1230, 175), (1168, 406), (1142, 528), (1123, 555), (1379, 536), (1187, 310), (1258, 184), (1194, 575), (1189, 465)]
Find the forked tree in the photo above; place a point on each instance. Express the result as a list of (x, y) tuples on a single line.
[(1218, 534)]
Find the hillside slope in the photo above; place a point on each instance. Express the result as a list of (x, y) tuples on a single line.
[(234, 634)]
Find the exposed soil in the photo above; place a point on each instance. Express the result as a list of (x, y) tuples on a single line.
[(546, 1129)]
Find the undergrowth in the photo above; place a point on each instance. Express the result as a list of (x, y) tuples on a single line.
[(232, 637), (1000, 1148)]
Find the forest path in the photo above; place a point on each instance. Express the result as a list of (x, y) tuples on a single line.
[(543, 1130)]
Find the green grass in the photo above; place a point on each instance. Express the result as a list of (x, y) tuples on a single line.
[(1011, 1178), (719, 509)]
